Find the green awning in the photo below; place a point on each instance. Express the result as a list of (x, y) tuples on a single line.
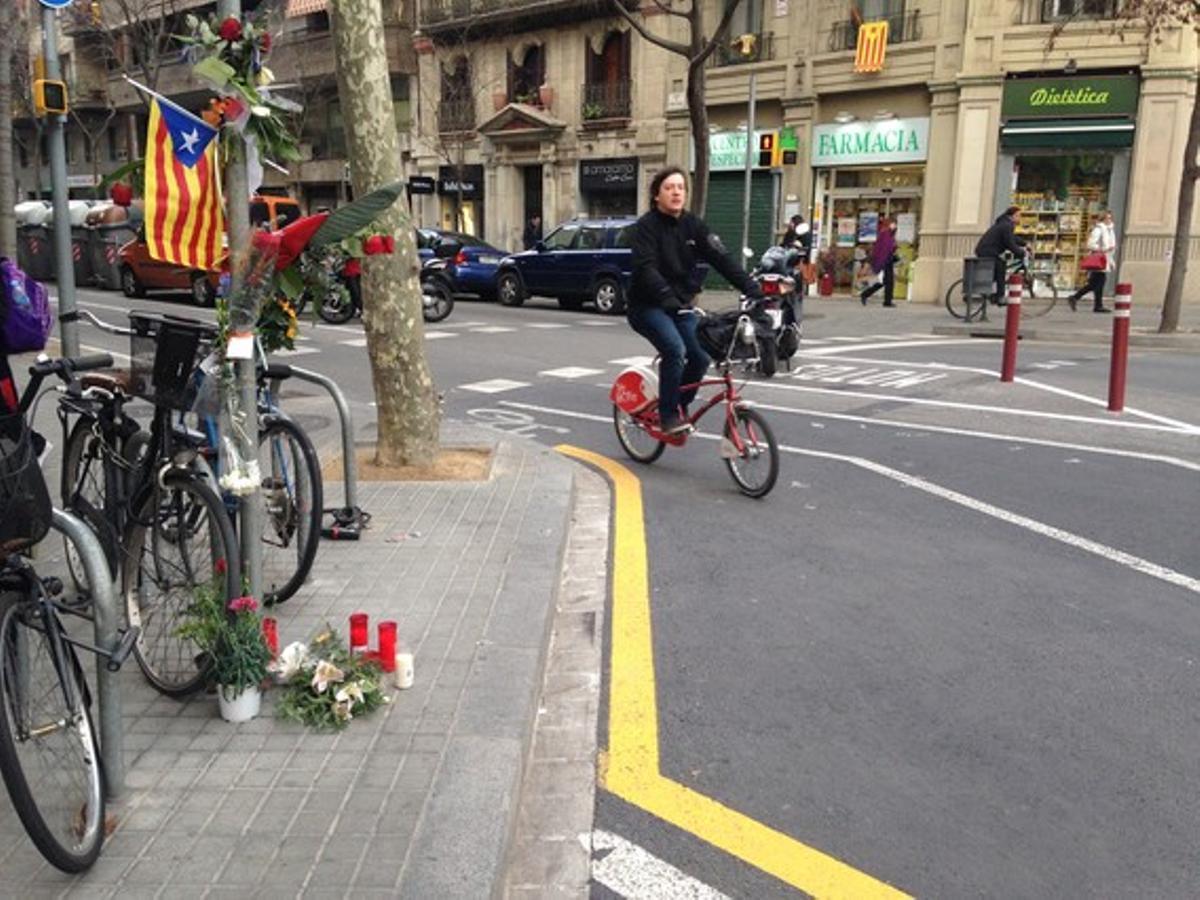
[(1067, 133)]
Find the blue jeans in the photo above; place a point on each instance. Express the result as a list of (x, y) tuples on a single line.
[(683, 359)]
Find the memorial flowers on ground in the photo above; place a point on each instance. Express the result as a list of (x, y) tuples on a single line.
[(324, 685)]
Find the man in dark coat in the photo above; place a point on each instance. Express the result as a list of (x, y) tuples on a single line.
[(533, 231), (1001, 238)]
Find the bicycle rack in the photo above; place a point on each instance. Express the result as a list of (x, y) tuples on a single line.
[(349, 520), (105, 621)]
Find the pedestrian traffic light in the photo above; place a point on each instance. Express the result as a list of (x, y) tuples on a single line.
[(49, 97), (766, 150)]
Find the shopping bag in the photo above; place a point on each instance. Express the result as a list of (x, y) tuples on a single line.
[(1094, 261), (24, 310)]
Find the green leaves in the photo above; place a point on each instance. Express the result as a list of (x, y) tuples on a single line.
[(354, 217)]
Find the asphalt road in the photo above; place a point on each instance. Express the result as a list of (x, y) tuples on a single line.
[(955, 649)]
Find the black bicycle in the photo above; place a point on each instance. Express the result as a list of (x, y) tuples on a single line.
[(1038, 293), (49, 756)]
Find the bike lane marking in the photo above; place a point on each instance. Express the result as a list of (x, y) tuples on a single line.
[(630, 767), (632, 871)]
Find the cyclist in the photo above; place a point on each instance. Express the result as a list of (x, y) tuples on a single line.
[(999, 239), (666, 247)]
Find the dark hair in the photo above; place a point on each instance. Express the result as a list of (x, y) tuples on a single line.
[(1012, 211), (797, 219), (657, 181)]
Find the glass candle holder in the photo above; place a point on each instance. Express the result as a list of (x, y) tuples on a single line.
[(270, 630), (387, 646), (358, 632)]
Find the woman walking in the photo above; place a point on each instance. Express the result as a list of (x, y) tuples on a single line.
[(1102, 244), (883, 261)]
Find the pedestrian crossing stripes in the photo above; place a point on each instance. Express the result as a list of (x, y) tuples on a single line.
[(492, 329), (570, 372), (494, 386), (547, 325), (357, 342), (435, 335)]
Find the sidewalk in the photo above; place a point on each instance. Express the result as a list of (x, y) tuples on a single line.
[(420, 799)]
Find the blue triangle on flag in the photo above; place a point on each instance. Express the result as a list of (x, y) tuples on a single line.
[(189, 134)]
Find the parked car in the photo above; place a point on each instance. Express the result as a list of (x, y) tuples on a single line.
[(140, 273), (473, 268), (584, 260)]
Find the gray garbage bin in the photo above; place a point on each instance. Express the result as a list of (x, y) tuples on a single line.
[(35, 253), (106, 241), (81, 254), (979, 276)]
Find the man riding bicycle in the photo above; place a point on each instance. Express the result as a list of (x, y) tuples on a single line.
[(666, 245), (999, 239)]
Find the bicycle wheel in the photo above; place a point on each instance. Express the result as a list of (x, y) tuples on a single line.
[(292, 498), (48, 752), (755, 466), (969, 309), (179, 541), (1038, 296), (635, 439), (83, 495)]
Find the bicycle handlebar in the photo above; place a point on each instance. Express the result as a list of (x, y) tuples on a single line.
[(64, 367), (102, 325)]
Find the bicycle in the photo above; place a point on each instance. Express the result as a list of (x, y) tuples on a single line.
[(748, 445), (1038, 293), (164, 528), (49, 756)]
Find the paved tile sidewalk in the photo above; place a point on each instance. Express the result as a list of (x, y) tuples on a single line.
[(418, 800)]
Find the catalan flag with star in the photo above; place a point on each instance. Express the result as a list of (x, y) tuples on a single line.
[(184, 222)]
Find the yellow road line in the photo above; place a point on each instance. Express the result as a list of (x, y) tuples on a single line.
[(630, 769)]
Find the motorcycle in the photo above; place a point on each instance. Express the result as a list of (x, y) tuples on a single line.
[(437, 285), (783, 300)]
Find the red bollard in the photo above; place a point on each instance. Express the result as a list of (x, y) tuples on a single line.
[(1122, 308), (1012, 328)]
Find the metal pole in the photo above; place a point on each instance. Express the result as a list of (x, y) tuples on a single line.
[(1012, 329), (237, 215), (1119, 361), (106, 617), (64, 266), (750, 151)]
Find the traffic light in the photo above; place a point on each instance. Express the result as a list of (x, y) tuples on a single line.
[(766, 150), (49, 97)]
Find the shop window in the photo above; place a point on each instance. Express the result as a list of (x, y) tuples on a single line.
[(526, 75), (1056, 10), (606, 94)]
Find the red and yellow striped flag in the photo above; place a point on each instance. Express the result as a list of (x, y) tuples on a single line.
[(184, 222), (872, 46)]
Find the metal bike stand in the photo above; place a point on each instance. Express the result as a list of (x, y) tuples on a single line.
[(106, 617), (349, 520)]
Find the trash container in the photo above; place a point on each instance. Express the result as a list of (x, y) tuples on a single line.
[(110, 229), (81, 254), (35, 254), (979, 276)]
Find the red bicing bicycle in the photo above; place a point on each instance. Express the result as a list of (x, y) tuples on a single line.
[(747, 446)]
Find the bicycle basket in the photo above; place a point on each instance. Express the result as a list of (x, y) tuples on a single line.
[(24, 498), (164, 352), (717, 333)]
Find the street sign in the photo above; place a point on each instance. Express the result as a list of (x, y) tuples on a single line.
[(55, 4)]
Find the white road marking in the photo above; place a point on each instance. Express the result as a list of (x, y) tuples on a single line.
[(632, 361), (492, 329), (1112, 554), (1053, 364), (115, 354), (494, 386), (546, 325), (594, 324), (950, 404), (357, 342), (299, 351), (859, 375), (891, 345), (629, 871), (570, 372), (434, 335)]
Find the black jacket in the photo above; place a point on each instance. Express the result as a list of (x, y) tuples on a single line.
[(999, 238), (533, 234), (665, 253)]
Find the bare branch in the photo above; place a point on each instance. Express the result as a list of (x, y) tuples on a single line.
[(667, 9), (673, 46), (719, 34)]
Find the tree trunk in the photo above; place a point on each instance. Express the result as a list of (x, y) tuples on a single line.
[(1183, 224), (406, 400), (8, 221), (698, 111)]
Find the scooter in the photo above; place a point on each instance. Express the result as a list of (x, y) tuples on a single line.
[(437, 288), (783, 300)]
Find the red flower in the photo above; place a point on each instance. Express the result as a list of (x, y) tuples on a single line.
[(121, 193), (374, 245), (389, 244), (230, 30), (220, 566), (265, 44), (243, 604)]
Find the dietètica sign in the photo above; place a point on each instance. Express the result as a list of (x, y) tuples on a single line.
[(861, 143), (1100, 95)]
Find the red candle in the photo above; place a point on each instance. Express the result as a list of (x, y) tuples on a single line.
[(270, 630), (358, 632), (387, 646)]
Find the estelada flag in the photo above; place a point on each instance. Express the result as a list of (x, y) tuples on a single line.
[(184, 222), (871, 49)]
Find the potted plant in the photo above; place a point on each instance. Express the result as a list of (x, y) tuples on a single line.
[(545, 96), (592, 111), (230, 634)]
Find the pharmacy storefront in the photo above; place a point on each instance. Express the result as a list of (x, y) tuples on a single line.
[(1065, 147), (724, 207), (865, 171)]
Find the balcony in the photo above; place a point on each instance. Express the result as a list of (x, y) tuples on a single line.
[(761, 50), (1052, 11), (440, 17), (456, 115), (605, 100), (903, 27)]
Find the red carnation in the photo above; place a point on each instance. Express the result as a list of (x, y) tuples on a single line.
[(230, 30), (121, 193), (389, 244), (265, 44), (373, 245)]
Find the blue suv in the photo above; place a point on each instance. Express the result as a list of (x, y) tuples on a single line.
[(584, 260)]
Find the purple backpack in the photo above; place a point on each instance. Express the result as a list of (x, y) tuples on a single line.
[(25, 321)]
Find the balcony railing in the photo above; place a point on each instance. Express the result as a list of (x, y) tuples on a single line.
[(762, 49), (1070, 10), (441, 15), (456, 115), (606, 100), (903, 27)]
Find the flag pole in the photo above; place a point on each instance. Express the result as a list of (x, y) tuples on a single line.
[(237, 219)]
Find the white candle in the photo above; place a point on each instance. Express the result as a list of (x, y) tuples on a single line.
[(404, 670)]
